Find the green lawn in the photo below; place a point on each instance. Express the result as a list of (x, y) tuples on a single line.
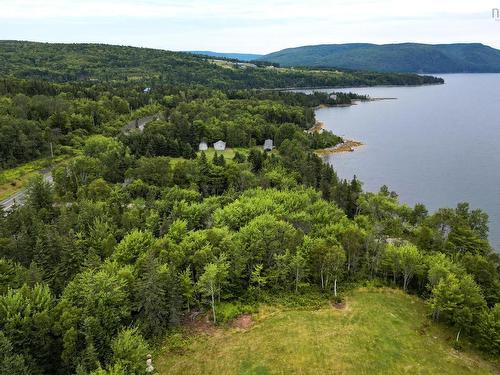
[(379, 332), (228, 152)]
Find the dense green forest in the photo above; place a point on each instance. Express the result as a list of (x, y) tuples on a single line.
[(91, 62), (139, 229), (404, 57), (37, 114)]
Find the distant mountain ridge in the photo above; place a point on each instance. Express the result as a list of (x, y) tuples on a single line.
[(404, 57), (70, 62), (238, 56)]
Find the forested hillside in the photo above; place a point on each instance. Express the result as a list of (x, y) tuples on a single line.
[(405, 57), (91, 62), (139, 231)]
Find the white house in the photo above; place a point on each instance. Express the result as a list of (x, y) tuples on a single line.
[(220, 146), (333, 96), (268, 145), (203, 146)]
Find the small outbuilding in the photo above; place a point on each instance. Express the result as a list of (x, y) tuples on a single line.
[(268, 145), (203, 146), (220, 146)]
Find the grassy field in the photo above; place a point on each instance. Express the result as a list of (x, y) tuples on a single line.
[(378, 332), (14, 179), (228, 152)]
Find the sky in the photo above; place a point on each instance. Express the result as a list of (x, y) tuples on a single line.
[(252, 26)]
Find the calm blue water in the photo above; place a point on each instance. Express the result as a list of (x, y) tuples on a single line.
[(438, 145)]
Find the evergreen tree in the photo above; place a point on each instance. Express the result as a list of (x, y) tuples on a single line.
[(151, 300), (203, 174)]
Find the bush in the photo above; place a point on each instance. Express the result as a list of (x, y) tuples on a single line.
[(130, 351), (457, 345), (176, 342), (227, 311), (373, 283), (313, 299), (338, 299)]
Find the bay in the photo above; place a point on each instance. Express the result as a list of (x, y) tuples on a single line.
[(437, 145)]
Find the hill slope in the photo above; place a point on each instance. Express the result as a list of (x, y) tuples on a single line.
[(379, 332), (101, 62), (238, 56), (406, 57)]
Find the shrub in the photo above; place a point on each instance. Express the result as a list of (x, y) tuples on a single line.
[(176, 342), (227, 311), (311, 300)]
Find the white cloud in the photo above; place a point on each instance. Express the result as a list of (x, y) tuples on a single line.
[(249, 26), (257, 9)]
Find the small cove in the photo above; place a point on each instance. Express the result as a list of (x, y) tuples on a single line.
[(436, 144)]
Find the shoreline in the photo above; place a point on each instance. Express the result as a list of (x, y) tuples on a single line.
[(318, 128), (353, 102), (350, 87), (348, 145)]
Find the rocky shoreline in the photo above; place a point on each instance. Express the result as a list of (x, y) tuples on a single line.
[(346, 146)]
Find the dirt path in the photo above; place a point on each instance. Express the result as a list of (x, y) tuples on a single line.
[(242, 322)]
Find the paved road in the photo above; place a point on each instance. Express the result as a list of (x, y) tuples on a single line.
[(140, 123), (19, 197)]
